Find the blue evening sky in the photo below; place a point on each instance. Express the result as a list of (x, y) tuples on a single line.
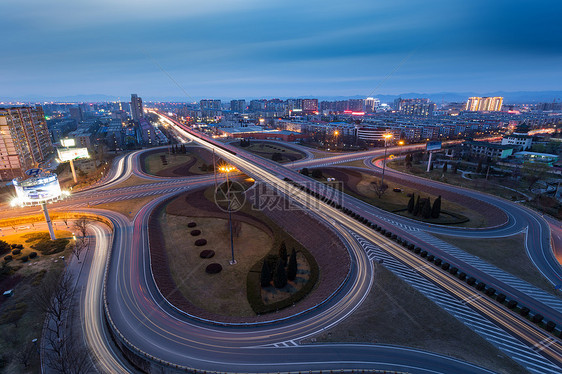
[(258, 48)]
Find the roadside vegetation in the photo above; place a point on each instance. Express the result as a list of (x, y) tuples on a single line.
[(395, 313), (508, 254), (273, 151), (30, 262), (397, 198)]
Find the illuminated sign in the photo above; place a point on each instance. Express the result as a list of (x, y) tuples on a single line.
[(68, 142), (433, 146), (72, 154), (37, 189), (33, 172)]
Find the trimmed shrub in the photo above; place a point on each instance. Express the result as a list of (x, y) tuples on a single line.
[(417, 250), (550, 326), (491, 291), (19, 246), (8, 258), (511, 304), (445, 266), (430, 258), (191, 224), (49, 247), (394, 236), (207, 253), (471, 281), (388, 234), (213, 268), (500, 298), (200, 242), (524, 311), (453, 270), (195, 232), (16, 252), (383, 231), (24, 258), (411, 247), (423, 253), (438, 261), (481, 286), (462, 276), (537, 318), (33, 255)]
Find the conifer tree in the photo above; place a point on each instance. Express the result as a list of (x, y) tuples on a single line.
[(411, 204), (266, 274), (436, 210), (292, 267), (280, 276), (426, 208), (417, 207), (283, 253)]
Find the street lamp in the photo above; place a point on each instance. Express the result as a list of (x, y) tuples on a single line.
[(386, 137), (227, 169)]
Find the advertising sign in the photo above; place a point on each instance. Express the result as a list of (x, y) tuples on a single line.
[(37, 189), (433, 146), (72, 154), (68, 142)]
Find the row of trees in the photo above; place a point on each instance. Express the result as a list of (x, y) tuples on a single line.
[(423, 208), (279, 269), (245, 142), (175, 149), (315, 173)]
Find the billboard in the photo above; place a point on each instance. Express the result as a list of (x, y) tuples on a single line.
[(433, 146), (72, 154), (37, 189), (68, 142)]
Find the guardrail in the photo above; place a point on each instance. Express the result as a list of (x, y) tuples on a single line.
[(501, 298)]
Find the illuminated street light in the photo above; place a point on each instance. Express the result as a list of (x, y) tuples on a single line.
[(386, 137), (227, 169)]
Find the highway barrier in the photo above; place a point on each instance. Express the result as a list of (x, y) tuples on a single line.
[(549, 326)]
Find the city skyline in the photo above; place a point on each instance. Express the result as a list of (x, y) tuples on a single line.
[(253, 49)]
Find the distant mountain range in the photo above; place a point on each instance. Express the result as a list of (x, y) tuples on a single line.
[(517, 97)]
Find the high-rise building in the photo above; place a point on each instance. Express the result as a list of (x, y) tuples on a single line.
[(371, 104), (76, 114), (136, 108), (24, 140), (484, 104), (238, 106), (210, 108), (309, 106), (415, 107)]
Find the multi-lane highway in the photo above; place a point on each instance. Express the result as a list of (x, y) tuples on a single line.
[(146, 323)]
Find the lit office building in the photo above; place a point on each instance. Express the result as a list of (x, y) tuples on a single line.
[(24, 140), (484, 104), (238, 106), (210, 108), (415, 107), (309, 106), (136, 108)]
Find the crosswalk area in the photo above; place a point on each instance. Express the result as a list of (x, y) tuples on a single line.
[(527, 356), (97, 201), (501, 275)]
